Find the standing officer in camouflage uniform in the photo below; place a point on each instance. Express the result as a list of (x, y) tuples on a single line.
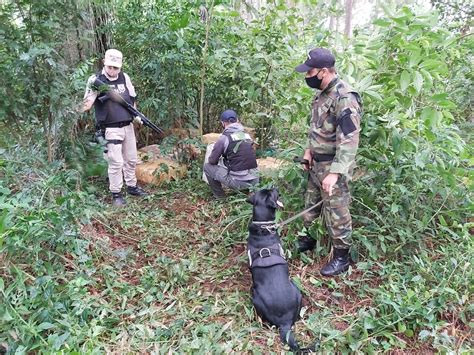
[(332, 145)]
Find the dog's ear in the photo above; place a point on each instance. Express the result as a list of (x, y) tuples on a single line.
[(251, 199)]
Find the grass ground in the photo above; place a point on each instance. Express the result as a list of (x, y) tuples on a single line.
[(170, 274)]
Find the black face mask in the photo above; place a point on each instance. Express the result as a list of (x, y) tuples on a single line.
[(314, 82)]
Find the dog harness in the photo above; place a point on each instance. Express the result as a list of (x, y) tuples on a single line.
[(265, 257)]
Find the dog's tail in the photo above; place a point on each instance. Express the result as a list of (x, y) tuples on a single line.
[(287, 337)]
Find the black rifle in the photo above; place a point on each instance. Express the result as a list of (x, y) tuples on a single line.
[(115, 96), (301, 161)]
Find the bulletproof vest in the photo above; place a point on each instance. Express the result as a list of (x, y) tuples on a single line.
[(109, 111), (265, 257), (239, 154)]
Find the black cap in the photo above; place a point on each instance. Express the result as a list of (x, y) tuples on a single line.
[(229, 115), (317, 58)]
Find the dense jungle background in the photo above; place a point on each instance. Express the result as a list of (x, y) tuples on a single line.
[(168, 274)]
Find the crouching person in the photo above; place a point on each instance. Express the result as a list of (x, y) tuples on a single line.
[(240, 163)]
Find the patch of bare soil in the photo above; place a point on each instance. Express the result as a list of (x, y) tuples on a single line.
[(412, 347), (115, 243), (186, 215)]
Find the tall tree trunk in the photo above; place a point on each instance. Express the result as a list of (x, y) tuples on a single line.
[(333, 16), (375, 11), (101, 15), (332, 23), (348, 18), (206, 16)]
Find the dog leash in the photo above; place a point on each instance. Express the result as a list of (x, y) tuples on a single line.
[(273, 227)]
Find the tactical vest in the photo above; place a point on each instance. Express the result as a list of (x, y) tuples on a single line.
[(239, 155), (109, 111)]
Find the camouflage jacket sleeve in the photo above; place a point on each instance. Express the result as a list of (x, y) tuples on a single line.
[(348, 115)]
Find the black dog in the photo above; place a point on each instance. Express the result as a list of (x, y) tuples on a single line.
[(275, 297)]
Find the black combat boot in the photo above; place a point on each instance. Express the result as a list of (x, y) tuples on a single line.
[(136, 191), (340, 263), (118, 200), (306, 243)]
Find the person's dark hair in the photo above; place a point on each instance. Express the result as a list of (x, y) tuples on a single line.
[(332, 70)]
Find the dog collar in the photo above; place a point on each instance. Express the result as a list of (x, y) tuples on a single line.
[(270, 226), (263, 222)]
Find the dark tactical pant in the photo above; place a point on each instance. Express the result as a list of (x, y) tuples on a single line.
[(218, 175), (335, 208)]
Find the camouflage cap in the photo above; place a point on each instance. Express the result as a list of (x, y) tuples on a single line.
[(317, 58)]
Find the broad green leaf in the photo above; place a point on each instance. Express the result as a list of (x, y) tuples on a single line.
[(364, 83), (418, 82), (439, 97), (404, 80), (45, 326), (420, 160), (373, 94), (382, 23), (442, 221), (6, 316), (180, 22), (402, 327), (59, 341), (369, 323), (427, 113), (434, 119), (397, 144), (394, 208), (446, 104), (414, 58), (430, 64)]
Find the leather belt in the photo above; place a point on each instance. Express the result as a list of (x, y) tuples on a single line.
[(118, 124), (323, 157)]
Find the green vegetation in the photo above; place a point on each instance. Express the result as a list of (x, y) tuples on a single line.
[(169, 273)]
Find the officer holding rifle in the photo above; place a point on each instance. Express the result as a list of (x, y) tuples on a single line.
[(114, 120)]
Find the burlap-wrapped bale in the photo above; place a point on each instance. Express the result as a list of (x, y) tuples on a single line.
[(270, 166), (210, 138), (156, 170)]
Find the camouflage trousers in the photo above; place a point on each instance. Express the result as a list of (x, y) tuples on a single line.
[(335, 208)]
